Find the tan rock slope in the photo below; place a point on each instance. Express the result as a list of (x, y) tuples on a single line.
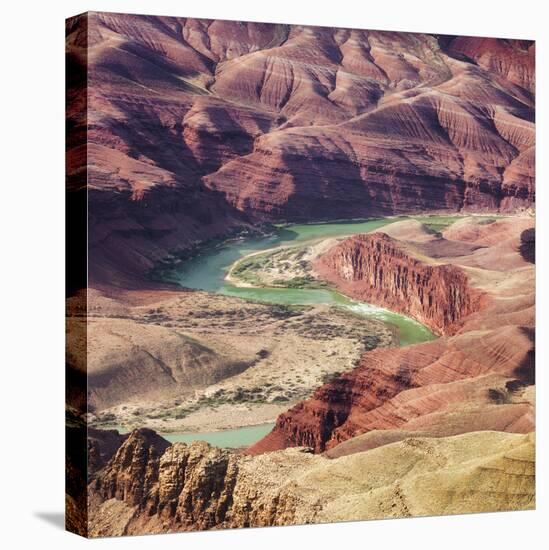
[(177, 360), (184, 488), (478, 378), (196, 128)]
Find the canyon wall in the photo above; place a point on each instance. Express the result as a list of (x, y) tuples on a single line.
[(375, 268), (197, 128)]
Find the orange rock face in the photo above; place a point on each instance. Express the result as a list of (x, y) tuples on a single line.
[(375, 269), (198, 127)]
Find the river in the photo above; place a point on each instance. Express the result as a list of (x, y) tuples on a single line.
[(230, 438), (207, 271)]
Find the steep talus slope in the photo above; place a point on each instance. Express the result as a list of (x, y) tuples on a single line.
[(197, 128), (513, 59), (188, 487), (129, 358), (128, 361), (488, 360)]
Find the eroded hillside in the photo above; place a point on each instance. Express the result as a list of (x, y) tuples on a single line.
[(198, 127)]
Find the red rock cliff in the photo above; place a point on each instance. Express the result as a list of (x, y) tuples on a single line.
[(375, 268)]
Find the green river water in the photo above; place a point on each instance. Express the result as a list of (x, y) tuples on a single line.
[(232, 438), (207, 271)]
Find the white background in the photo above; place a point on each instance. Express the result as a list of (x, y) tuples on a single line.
[(32, 270)]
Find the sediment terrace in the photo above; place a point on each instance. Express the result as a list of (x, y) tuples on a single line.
[(193, 361)]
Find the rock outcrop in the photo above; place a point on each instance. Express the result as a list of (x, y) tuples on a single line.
[(102, 445), (196, 128), (488, 359), (133, 470), (191, 487), (375, 268)]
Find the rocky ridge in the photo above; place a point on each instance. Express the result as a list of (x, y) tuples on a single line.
[(190, 487)]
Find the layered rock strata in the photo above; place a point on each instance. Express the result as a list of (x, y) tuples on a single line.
[(422, 430), (196, 128), (189, 130), (375, 268), (487, 361)]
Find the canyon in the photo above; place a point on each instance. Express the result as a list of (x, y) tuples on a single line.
[(193, 129), (183, 134), (480, 369), (455, 415), (196, 361)]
